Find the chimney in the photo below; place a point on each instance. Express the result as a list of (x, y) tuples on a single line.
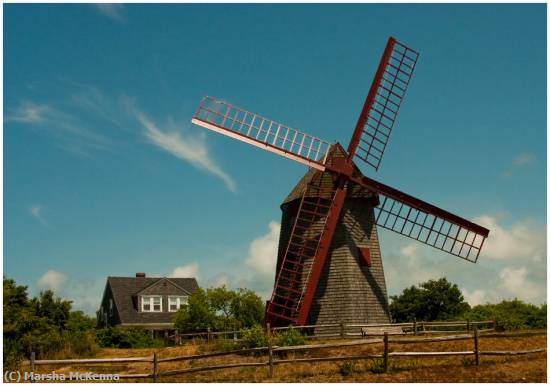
[(140, 274)]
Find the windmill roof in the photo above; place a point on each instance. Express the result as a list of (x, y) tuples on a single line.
[(336, 151)]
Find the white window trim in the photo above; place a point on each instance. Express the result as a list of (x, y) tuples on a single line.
[(178, 303), (152, 308)]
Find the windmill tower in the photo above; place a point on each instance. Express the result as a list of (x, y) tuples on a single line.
[(329, 263)]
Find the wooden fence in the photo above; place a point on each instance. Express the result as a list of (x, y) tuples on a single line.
[(272, 352), (352, 330)]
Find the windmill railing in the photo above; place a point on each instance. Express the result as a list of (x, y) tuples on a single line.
[(269, 356)]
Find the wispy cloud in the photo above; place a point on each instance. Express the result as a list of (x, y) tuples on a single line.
[(66, 128), (114, 11), (27, 112), (519, 162), (52, 279), (36, 212), (188, 148), (524, 159)]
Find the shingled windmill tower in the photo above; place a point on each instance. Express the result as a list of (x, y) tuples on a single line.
[(329, 266)]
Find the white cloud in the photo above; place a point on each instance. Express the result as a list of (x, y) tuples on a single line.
[(514, 282), (189, 270), (114, 11), (36, 212), (262, 252), (475, 297), (191, 149), (52, 280), (523, 240)]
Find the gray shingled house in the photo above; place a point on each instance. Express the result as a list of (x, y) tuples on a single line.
[(140, 301)]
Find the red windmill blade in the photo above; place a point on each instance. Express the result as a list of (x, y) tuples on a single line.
[(323, 196)]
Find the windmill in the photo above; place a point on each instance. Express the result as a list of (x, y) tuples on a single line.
[(329, 264)]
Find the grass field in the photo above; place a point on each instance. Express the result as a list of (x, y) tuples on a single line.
[(525, 368)]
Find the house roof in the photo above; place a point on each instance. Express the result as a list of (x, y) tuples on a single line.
[(124, 290), (336, 151)]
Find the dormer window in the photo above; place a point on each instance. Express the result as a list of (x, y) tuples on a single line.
[(151, 303), (176, 302)]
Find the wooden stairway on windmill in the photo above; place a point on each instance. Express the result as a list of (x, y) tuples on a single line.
[(352, 286)]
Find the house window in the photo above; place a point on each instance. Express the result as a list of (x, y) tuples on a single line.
[(176, 302), (151, 303), (111, 307)]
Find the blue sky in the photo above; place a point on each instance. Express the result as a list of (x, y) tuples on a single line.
[(105, 175)]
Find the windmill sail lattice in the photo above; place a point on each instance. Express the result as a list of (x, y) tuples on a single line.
[(379, 113), (311, 233), (226, 119)]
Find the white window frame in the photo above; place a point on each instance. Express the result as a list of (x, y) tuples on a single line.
[(150, 297), (179, 303)]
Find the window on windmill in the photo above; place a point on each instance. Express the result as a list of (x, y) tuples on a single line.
[(364, 256)]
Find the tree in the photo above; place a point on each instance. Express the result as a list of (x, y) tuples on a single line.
[(44, 324), (198, 315), (220, 309), (431, 300), (247, 308)]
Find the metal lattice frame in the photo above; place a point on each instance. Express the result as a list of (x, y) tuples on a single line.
[(380, 110), (256, 130)]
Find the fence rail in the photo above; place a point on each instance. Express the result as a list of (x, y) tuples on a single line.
[(270, 350)]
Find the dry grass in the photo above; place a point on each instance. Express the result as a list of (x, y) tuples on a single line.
[(526, 368)]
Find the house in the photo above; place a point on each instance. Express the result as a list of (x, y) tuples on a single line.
[(146, 302)]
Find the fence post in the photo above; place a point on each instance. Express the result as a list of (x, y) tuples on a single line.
[(208, 334), (177, 337), (468, 325), (270, 351), (476, 344), (342, 334), (386, 351), (32, 365), (154, 367), (414, 326)]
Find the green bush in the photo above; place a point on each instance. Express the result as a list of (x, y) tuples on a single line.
[(290, 337), (254, 337), (79, 343), (511, 314), (117, 337), (347, 368), (377, 366)]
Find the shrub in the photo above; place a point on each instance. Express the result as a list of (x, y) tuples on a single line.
[(254, 337), (511, 314), (116, 337), (377, 366), (347, 368), (290, 337)]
